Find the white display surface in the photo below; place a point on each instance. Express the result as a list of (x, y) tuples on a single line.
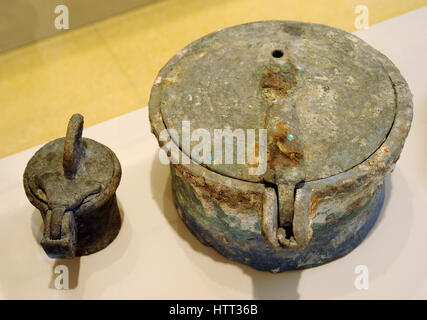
[(156, 257)]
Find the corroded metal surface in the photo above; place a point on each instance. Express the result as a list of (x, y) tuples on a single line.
[(239, 234), (72, 181), (329, 90), (337, 113)]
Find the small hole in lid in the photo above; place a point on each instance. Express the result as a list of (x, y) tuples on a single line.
[(277, 53)]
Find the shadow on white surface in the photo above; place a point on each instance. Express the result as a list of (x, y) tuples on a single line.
[(73, 266), (379, 251), (265, 285), (395, 219), (77, 280), (37, 225)]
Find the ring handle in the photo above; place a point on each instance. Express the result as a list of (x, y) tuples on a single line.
[(73, 149)]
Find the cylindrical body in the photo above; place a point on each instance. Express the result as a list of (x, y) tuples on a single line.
[(236, 229), (72, 182), (336, 113)]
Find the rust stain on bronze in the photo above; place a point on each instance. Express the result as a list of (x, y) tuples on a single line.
[(281, 148), (314, 204), (279, 82), (255, 156), (326, 162), (221, 193)]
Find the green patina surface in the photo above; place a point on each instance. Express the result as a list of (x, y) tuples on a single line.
[(328, 87), (330, 241), (337, 113)]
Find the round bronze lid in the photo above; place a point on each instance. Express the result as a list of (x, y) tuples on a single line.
[(324, 96), (72, 173)]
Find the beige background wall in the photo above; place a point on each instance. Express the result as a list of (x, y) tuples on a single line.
[(106, 68), (25, 21)]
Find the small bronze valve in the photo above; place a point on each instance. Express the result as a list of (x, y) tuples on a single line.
[(72, 181)]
